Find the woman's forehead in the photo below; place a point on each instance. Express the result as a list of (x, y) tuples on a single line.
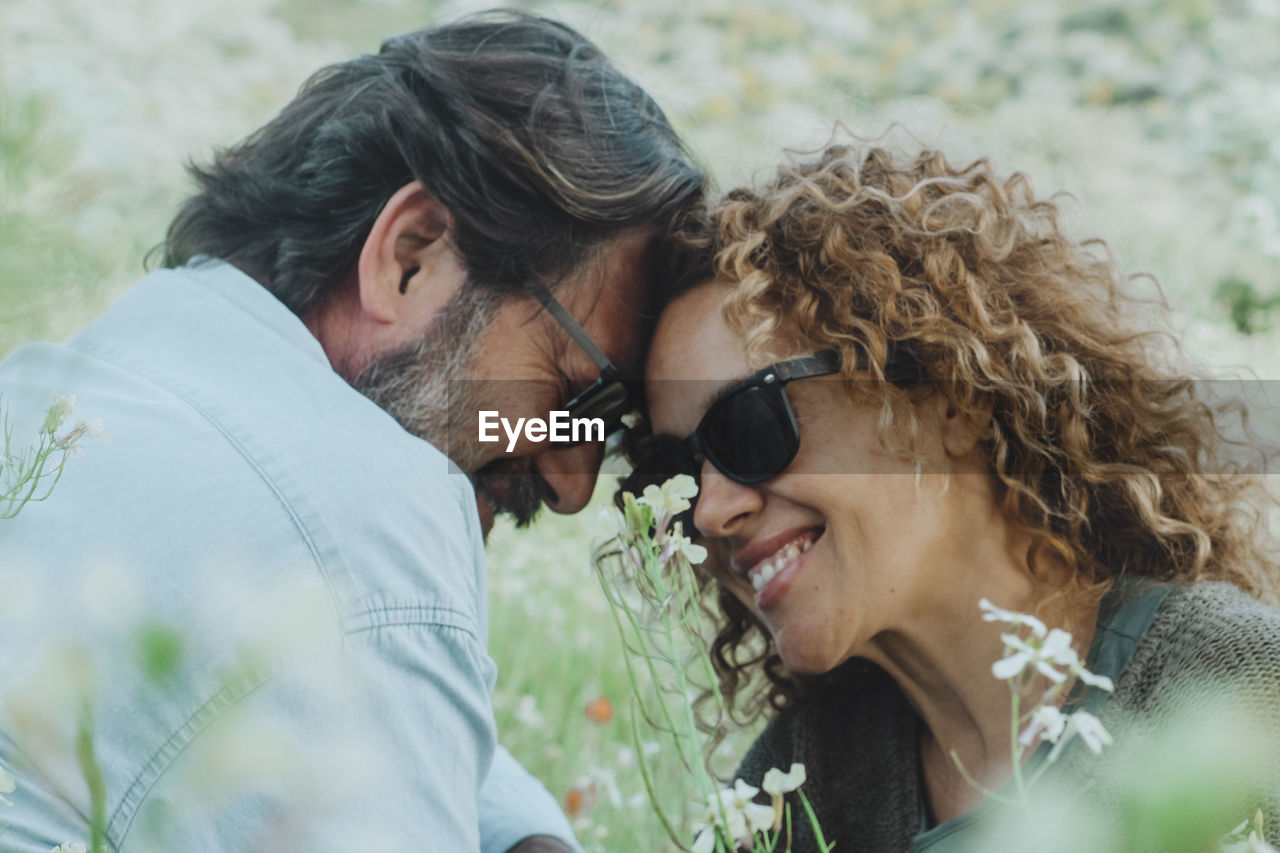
[(694, 355), (692, 340)]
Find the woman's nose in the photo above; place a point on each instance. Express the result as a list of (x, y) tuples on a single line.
[(723, 505), (571, 473)]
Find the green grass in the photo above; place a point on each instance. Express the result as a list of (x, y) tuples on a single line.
[(58, 264), (554, 640)]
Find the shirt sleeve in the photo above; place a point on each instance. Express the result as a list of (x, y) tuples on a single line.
[(514, 805)]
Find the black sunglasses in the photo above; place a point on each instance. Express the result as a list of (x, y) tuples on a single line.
[(607, 398), (749, 432)]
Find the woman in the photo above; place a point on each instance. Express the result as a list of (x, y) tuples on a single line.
[(916, 392)]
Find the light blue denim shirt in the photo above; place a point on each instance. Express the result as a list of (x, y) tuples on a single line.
[(268, 595)]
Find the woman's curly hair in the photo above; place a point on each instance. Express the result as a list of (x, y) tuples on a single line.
[(1112, 459)]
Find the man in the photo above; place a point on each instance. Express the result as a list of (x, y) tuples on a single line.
[(473, 219)]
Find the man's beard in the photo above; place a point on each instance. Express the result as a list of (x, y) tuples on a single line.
[(420, 386)]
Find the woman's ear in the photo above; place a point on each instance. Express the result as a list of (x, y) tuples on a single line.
[(408, 267), (961, 431)]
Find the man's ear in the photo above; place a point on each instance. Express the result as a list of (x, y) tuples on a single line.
[(408, 267), (961, 431)]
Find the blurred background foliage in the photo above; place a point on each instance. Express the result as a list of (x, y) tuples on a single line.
[(1160, 117)]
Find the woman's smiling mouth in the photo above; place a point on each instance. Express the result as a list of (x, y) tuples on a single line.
[(769, 564)]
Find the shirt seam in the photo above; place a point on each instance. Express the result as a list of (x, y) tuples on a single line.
[(158, 763), (151, 772), (412, 615), (111, 355), (237, 690)]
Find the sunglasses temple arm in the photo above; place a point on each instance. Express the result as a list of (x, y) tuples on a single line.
[(565, 319), (822, 363)]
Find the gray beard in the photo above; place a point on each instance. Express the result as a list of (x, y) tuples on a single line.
[(420, 386)]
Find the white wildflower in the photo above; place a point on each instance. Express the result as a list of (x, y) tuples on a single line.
[(1044, 649), (1252, 844), (73, 847), (758, 818), (527, 713), (1237, 841), (1099, 681), (706, 840), (95, 429), (70, 440), (654, 498), (607, 781), (739, 807), (1090, 730), (733, 812), (776, 782), (991, 613), (677, 543), (672, 497), (59, 410), (1047, 723), (1055, 649)]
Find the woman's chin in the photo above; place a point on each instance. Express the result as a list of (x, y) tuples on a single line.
[(800, 668), (803, 658)]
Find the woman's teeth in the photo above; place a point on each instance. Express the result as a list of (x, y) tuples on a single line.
[(766, 571)]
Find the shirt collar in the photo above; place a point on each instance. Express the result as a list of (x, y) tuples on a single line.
[(251, 297)]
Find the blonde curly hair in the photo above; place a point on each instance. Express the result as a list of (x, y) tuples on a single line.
[(1111, 458)]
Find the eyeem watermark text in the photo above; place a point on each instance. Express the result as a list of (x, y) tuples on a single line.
[(558, 427)]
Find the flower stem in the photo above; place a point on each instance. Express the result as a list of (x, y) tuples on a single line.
[(93, 778), (647, 776), (982, 789), (823, 846), (1016, 749)]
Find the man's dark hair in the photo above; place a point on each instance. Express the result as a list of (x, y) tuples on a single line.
[(535, 143)]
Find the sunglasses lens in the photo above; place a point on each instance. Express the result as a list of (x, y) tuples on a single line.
[(750, 435)]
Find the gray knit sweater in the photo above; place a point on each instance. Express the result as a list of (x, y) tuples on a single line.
[(858, 737)]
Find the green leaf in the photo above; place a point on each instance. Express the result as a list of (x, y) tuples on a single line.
[(160, 648)]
